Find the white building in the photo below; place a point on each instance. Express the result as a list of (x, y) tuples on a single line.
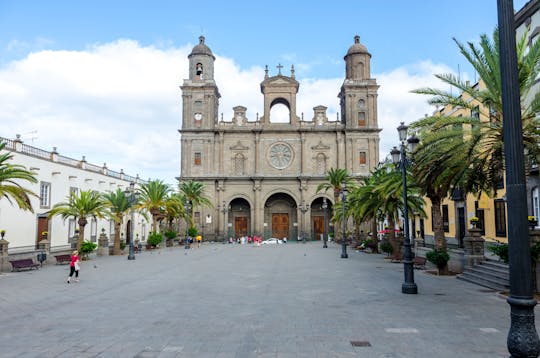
[(57, 177)]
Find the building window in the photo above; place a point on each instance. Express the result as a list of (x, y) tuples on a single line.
[(500, 218), (475, 115), (361, 119), (93, 230), (446, 227), (45, 195), (536, 203), (444, 218), (361, 103), (362, 158), (111, 228), (71, 228), (73, 191), (480, 215), (197, 158), (197, 217)]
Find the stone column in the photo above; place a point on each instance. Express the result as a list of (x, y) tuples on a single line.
[(103, 245), (473, 247), (5, 266)]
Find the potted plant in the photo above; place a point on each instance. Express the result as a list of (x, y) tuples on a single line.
[(500, 249), (86, 248), (2, 233), (474, 221), (438, 257), (44, 235), (532, 221), (170, 235), (154, 239)]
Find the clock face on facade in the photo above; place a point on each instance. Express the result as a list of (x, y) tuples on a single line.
[(280, 156)]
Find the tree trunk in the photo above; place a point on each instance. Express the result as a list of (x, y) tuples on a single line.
[(82, 223), (438, 228), (396, 254), (116, 249), (374, 235)]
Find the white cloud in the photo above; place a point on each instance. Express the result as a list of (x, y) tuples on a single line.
[(120, 102)]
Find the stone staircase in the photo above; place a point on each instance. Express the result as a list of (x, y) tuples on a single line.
[(490, 273)]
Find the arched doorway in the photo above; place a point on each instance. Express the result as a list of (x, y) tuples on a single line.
[(318, 217), (280, 217), (239, 218)]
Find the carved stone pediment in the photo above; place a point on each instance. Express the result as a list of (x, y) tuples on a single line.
[(238, 146), (320, 146)]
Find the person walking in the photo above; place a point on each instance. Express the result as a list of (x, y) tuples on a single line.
[(199, 239), (74, 266)]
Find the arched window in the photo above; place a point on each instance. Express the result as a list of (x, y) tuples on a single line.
[(280, 113), (360, 70), (361, 103)]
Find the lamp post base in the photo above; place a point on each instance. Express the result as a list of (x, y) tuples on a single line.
[(131, 255), (409, 288)]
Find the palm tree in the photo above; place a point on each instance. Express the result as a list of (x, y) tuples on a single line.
[(174, 209), (335, 178), (118, 204), (87, 203), (154, 195), (483, 140), (193, 192), (10, 176), (464, 151)]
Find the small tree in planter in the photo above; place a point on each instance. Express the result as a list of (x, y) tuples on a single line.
[(387, 248), (86, 249), (440, 258), (170, 235), (154, 239)]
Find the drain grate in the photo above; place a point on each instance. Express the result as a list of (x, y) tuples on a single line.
[(360, 344)]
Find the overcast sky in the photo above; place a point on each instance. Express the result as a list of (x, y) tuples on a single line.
[(101, 78)]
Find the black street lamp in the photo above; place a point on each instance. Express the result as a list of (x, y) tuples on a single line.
[(522, 338), (224, 210), (324, 206), (303, 208), (343, 193), (399, 157), (187, 206), (132, 199)]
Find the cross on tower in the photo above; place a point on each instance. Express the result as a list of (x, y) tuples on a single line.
[(279, 67)]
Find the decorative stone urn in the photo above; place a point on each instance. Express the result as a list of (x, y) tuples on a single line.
[(103, 245)]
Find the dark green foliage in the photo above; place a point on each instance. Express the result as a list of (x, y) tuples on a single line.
[(439, 257), (192, 231), (154, 239), (170, 234), (87, 247), (122, 245), (500, 249), (387, 248)]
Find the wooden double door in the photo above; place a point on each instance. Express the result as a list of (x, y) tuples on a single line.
[(241, 226), (280, 225)]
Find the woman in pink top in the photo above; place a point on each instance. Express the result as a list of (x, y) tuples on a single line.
[(74, 266)]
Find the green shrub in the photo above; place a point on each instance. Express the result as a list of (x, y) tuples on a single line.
[(170, 234), (87, 247), (387, 248), (154, 239), (439, 257), (122, 245), (500, 249), (192, 231), (535, 252)]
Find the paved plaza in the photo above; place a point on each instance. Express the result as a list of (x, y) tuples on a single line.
[(291, 300)]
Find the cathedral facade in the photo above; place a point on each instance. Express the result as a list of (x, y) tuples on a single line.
[(262, 175)]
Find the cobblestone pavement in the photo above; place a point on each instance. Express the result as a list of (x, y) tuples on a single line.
[(291, 300)]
